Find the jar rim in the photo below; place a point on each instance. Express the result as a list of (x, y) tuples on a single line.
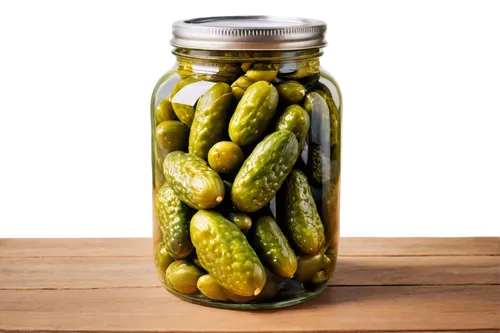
[(249, 33)]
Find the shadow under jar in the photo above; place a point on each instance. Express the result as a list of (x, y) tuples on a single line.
[(246, 138)]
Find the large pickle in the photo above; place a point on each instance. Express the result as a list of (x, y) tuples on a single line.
[(172, 135), (302, 220), (264, 171), (225, 253), (173, 217), (210, 119), (183, 275), (184, 112), (192, 180), (253, 113), (296, 120), (272, 247)]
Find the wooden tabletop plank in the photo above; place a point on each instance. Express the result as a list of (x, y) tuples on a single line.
[(339, 309), (78, 273), (351, 246)]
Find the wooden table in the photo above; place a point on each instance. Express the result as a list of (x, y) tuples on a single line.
[(381, 285)]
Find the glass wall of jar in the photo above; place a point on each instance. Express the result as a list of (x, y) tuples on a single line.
[(246, 166)]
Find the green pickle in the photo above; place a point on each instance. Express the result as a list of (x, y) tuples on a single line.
[(304, 69), (162, 260), (164, 111), (273, 248), (334, 116), (271, 289), (309, 265), (184, 112), (210, 120), (317, 164), (242, 221), (302, 220), (331, 254), (183, 276), (174, 217), (225, 157), (192, 180), (210, 288), (262, 72), (246, 177), (172, 135), (291, 91), (253, 113), (240, 86), (296, 120), (264, 171), (225, 253)]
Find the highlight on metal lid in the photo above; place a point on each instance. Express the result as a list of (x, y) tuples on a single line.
[(256, 33)]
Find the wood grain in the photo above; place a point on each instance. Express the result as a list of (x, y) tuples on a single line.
[(81, 273), (354, 246), (417, 270), (381, 285), (339, 309)]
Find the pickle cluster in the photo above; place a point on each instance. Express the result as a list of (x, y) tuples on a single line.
[(242, 173)]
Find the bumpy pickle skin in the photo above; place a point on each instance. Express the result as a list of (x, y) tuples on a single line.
[(264, 171), (302, 220), (192, 180), (210, 119), (253, 113), (272, 247), (225, 253), (173, 218)]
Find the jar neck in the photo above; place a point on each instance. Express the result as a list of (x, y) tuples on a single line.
[(227, 66), (247, 56)]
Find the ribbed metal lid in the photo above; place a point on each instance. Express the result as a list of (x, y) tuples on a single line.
[(257, 33)]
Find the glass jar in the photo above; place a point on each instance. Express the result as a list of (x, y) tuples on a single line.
[(246, 137)]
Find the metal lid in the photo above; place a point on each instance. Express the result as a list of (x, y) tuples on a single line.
[(249, 33)]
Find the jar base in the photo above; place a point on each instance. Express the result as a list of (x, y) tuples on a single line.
[(284, 300)]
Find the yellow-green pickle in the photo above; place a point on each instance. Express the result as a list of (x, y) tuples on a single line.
[(246, 145)]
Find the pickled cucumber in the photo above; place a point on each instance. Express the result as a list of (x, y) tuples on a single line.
[(224, 251), (192, 180)]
